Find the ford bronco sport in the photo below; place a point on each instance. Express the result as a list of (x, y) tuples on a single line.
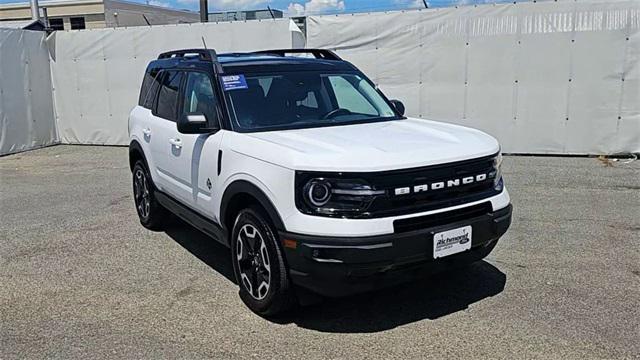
[(309, 174)]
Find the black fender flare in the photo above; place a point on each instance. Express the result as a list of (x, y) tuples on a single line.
[(135, 146), (245, 187)]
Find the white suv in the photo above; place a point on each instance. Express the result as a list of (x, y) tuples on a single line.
[(313, 178)]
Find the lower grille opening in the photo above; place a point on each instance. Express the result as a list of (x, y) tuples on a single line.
[(427, 221)]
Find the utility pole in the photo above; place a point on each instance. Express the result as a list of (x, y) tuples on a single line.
[(45, 17), (35, 10), (204, 11)]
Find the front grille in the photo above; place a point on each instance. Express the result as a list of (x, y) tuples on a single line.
[(444, 218), (393, 205)]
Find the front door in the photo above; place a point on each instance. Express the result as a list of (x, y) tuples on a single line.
[(193, 157)]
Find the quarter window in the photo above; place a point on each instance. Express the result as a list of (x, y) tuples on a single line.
[(167, 105)]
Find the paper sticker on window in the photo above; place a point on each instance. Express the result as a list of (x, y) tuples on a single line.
[(234, 82)]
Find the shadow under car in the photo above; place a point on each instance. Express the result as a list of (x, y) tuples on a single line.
[(433, 297)]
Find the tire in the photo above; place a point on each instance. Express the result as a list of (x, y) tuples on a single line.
[(258, 264), (152, 215)]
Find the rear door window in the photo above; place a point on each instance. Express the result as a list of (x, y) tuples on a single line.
[(169, 95), (149, 90)]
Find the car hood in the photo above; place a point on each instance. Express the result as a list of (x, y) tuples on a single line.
[(367, 147)]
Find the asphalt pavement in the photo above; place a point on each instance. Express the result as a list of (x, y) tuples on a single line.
[(81, 278)]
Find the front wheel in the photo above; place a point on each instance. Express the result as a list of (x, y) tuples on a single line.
[(259, 265)]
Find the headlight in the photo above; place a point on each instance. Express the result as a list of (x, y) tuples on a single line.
[(497, 167), (335, 197), (318, 192)]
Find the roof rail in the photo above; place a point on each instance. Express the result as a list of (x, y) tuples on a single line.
[(318, 53), (204, 54)]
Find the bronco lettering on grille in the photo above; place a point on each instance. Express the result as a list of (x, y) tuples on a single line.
[(439, 185)]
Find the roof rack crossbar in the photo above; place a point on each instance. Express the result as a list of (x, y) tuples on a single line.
[(204, 54), (318, 53)]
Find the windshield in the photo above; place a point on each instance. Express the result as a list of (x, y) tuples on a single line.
[(261, 102)]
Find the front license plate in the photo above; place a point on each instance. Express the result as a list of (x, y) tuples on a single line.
[(451, 242)]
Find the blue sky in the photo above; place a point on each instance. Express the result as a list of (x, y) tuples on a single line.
[(317, 6), (310, 7)]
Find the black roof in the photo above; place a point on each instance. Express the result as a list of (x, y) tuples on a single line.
[(261, 63), (265, 61)]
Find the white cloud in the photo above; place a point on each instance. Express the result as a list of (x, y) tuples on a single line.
[(316, 7), (159, 3), (295, 9)]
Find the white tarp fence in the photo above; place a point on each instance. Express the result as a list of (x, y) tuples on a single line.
[(547, 77), (97, 73), (26, 106)]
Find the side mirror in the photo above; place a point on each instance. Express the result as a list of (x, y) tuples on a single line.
[(195, 123), (399, 106)]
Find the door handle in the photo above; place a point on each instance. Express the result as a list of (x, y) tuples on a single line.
[(177, 143), (146, 132)]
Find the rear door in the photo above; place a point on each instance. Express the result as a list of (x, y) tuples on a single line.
[(142, 121), (163, 138), (193, 163)]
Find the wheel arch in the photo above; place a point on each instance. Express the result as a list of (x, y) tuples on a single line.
[(241, 194), (136, 153)]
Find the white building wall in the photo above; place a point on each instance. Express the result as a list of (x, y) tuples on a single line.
[(124, 13)]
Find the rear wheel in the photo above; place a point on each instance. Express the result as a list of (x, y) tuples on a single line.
[(152, 215), (259, 264)]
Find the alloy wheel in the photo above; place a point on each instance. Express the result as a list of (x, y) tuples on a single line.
[(141, 194), (253, 262)]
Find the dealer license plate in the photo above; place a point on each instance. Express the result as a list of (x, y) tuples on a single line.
[(451, 242)]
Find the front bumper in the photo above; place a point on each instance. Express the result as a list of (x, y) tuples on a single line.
[(339, 266)]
